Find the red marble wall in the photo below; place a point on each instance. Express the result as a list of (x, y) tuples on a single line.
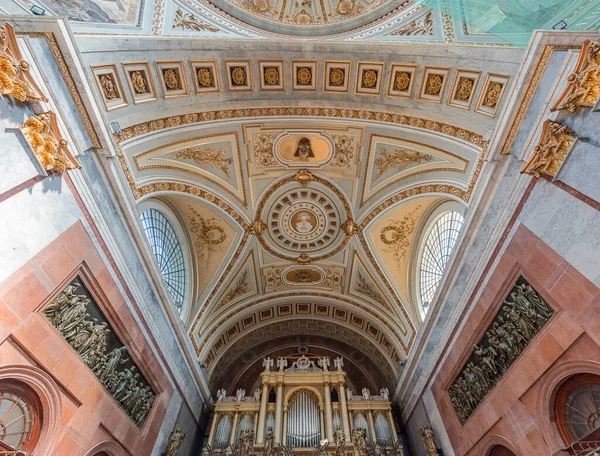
[(80, 416), (518, 412)]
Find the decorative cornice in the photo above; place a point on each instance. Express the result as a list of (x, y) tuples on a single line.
[(152, 126)]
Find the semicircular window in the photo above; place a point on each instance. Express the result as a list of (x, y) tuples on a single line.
[(437, 250), (168, 253)]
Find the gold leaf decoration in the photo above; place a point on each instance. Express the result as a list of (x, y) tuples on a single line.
[(43, 135), (583, 89), (208, 156), (366, 288), (395, 235), (189, 21), (552, 150), (418, 27), (208, 235), (399, 159), (15, 78), (241, 287)]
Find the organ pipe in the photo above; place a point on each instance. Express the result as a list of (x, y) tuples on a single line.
[(303, 422)]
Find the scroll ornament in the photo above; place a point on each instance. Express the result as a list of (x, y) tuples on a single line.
[(583, 88), (548, 156), (43, 135), (15, 79)]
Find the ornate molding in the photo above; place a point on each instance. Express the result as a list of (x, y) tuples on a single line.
[(583, 88), (278, 112), (15, 78), (43, 135), (550, 153)]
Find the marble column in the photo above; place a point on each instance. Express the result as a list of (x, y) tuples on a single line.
[(392, 427), (234, 428), (285, 415), (372, 426), (328, 412), (344, 411), (213, 426), (262, 414), (322, 421), (278, 410)]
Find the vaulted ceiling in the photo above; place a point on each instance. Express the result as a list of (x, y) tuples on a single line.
[(302, 176)]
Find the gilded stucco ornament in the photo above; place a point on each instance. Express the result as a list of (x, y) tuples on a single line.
[(303, 259), (583, 88), (428, 438), (257, 228), (15, 78), (43, 135), (550, 153), (175, 441), (304, 176), (350, 228)]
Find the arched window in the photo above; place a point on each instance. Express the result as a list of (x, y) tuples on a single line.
[(20, 419), (577, 408), (168, 253), (440, 239)]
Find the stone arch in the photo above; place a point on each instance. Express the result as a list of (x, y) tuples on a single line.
[(494, 441), (551, 382), (49, 396), (108, 447)]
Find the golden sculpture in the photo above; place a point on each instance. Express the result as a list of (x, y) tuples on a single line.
[(15, 79), (434, 84), (369, 79), (464, 89), (271, 76), (304, 76), (492, 96), (43, 135), (238, 76), (552, 150), (208, 156), (401, 81), (171, 79), (583, 89), (175, 441), (205, 77), (337, 76), (138, 81), (428, 437), (399, 159)]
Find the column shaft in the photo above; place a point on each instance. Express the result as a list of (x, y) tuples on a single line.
[(344, 412), (284, 437), (372, 427), (262, 414), (392, 427), (322, 421), (278, 410), (234, 428), (328, 412), (213, 426)]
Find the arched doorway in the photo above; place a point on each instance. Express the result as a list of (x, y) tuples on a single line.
[(577, 408), (500, 450)]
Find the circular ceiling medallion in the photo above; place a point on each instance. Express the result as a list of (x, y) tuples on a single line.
[(303, 218)]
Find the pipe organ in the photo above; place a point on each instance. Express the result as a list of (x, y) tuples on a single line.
[(295, 407)]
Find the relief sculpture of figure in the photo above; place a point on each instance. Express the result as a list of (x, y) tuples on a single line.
[(175, 440), (106, 367)]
